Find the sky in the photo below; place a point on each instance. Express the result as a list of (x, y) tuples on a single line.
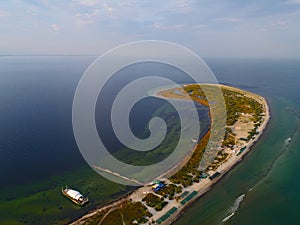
[(223, 28)]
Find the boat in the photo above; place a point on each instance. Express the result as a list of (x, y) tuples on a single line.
[(74, 196)]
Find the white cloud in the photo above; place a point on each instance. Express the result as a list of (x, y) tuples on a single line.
[(115, 21), (108, 8), (88, 2), (161, 26), (55, 27), (180, 6), (293, 2), (182, 3), (88, 15)]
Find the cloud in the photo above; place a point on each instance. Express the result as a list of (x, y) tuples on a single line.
[(55, 27), (161, 26), (88, 15), (180, 6), (114, 22), (182, 3), (293, 2), (108, 8), (88, 2)]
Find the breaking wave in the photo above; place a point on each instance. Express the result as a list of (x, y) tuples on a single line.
[(235, 206)]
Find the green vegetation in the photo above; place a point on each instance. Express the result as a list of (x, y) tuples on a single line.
[(95, 219), (189, 172), (154, 201), (169, 191), (236, 102), (195, 91), (252, 133), (135, 211), (220, 159), (229, 138), (127, 212), (113, 218)]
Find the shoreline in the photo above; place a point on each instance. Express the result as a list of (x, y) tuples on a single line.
[(204, 185), (234, 163), (218, 179)]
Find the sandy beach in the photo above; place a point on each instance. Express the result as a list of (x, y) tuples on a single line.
[(204, 185)]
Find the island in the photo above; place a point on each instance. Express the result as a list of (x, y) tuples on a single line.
[(162, 201)]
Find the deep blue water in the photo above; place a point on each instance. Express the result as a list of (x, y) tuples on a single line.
[(35, 133), (36, 113)]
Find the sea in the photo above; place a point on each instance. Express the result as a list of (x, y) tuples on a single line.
[(39, 154)]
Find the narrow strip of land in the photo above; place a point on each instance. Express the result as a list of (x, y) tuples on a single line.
[(162, 201)]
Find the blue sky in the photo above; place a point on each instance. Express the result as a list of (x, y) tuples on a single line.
[(224, 28)]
